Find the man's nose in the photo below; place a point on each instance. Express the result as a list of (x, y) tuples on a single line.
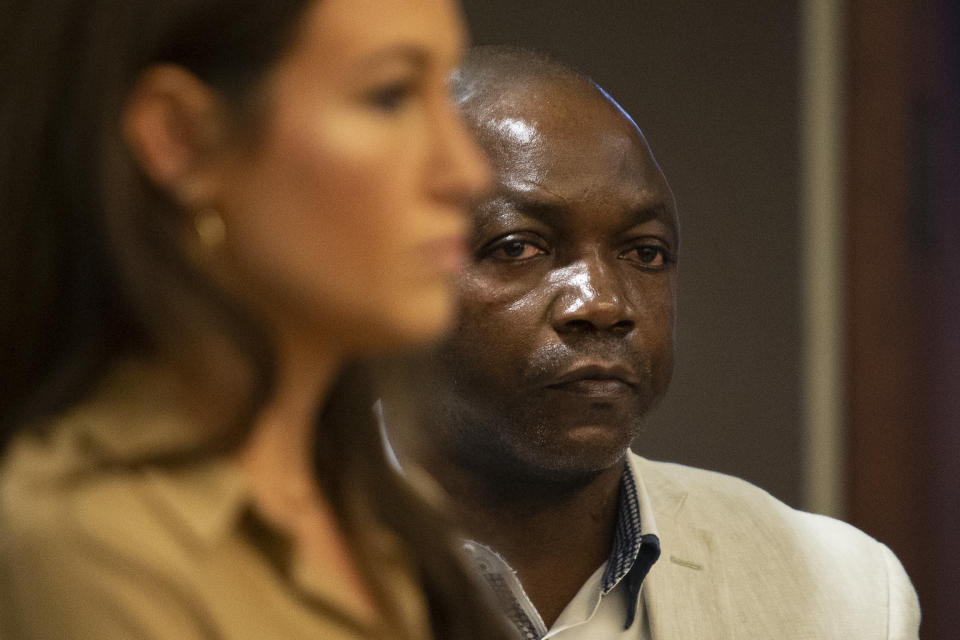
[(590, 297)]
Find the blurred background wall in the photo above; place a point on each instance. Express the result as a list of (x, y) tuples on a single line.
[(814, 148), (903, 288)]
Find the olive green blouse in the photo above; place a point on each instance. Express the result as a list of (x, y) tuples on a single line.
[(93, 548)]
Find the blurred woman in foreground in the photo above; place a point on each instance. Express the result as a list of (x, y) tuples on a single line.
[(206, 208)]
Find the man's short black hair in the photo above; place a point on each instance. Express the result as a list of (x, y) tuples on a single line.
[(490, 71)]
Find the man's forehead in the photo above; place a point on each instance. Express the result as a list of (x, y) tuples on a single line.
[(553, 102), (566, 154), (537, 118), (564, 143)]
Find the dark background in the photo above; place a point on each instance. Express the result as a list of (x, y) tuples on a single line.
[(714, 87)]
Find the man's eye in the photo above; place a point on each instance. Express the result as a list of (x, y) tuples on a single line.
[(649, 256), (515, 249)]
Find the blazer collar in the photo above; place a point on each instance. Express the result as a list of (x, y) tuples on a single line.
[(686, 593)]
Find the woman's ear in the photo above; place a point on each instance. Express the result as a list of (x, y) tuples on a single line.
[(173, 124)]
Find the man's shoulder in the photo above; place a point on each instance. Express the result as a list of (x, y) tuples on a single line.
[(767, 551), (721, 502)]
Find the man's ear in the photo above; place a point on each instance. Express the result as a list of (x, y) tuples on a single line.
[(173, 124)]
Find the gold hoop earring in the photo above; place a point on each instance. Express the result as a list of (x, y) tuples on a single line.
[(210, 228)]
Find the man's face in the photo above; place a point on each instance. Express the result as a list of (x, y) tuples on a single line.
[(564, 337)]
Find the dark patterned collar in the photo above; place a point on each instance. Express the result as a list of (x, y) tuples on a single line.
[(634, 552), (635, 549)]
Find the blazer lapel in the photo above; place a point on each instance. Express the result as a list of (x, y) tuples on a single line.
[(685, 595)]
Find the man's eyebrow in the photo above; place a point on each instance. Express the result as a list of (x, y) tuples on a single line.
[(659, 212), (535, 202), (547, 207), (508, 207)]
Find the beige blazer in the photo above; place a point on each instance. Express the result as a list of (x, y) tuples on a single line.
[(737, 563)]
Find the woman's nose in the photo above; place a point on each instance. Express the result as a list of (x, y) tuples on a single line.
[(463, 171)]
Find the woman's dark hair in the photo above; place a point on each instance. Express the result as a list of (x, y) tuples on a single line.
[(92, 267), (351, 458), (91, 253)]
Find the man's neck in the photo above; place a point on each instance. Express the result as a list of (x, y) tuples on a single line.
[(554, 535)]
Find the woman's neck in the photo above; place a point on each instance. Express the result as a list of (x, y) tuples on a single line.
[(279, 449), (277, 461)]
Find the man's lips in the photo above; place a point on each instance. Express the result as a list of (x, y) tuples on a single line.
[(596, 379)]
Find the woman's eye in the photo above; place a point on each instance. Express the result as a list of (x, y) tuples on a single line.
[(649, 255), (391, 97), (514, 249)]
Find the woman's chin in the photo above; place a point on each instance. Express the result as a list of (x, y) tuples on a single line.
[(408, 322)]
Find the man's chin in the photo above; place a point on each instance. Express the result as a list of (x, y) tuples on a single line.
[(583, 451), (541, 449)]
